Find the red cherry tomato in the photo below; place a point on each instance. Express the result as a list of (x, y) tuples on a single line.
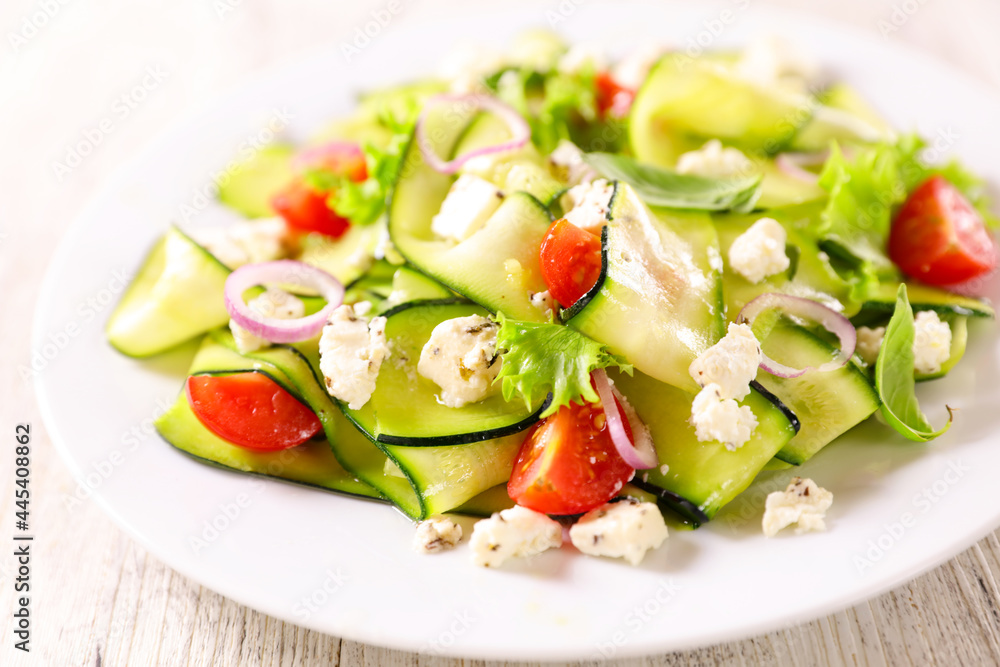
[(612, 97), (570, 261), (305, 209), (938, 238), (568, 464), (251, 410)]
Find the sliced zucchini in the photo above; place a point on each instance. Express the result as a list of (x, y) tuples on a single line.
[(697, 478), (845, 117), (177, 295), (347, 258), (251, 186), (486, 503), (827, 404), (404, 410), (923, 297), (658, 300), (409, 285)]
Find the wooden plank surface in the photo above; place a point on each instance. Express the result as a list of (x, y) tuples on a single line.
[(100, 599)]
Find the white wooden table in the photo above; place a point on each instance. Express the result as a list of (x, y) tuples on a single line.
[(99, 599)]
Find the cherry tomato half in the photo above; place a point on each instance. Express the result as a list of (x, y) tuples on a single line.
[(612, 97), (251, 410), (570, 261)]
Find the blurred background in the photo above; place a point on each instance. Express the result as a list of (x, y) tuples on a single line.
[(66, 67)]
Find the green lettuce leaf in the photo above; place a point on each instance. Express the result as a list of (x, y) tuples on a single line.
[(668, 189), (543, 358), (894, 377)]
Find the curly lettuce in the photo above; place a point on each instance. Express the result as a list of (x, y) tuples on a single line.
[(550, 358)]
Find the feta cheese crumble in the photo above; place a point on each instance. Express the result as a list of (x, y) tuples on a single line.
[(436, 534), (272, 303), (513, 533), (715, 161), (461, 358), (544, 302), (931, 342), (731, 364), (803, 504), (469, 204), (352, 349), (566, 163), (626, 529), (869, 343), (244, 242), (589, 204), (716, 419), (759, 252)]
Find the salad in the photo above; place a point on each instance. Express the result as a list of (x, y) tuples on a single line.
[(569, 295)]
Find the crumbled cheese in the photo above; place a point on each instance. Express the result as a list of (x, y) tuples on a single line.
[(772, 60), (514, 533), (721, 420), (566, 163), (731, 363), (759, 252), (631, 71), (714, 161), (469, 204), (273, 304), (626, 529), (589, 203), (664, 469), (544, 302), (582, 56), (351, 353), (869, 343), (384, 248), (803, 504), (461, 358), (436, 534), (931, 342), (245, 242), (466, 67)]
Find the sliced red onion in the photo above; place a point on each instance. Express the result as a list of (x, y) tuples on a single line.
[(284, 272), (471, 102), (792, 164), (641, 455), (333, 151), (808, 309)]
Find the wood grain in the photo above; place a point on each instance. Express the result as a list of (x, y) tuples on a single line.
[(99, 598)]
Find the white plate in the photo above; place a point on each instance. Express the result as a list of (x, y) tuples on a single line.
[(352, 557)]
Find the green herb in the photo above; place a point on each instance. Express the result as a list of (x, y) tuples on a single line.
[(894, 377), (668, 189), (543, 358)]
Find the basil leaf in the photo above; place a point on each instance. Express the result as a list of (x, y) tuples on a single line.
[(894, 377), (668, 189)]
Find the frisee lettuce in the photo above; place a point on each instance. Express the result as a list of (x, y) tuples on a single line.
[(543, 358)]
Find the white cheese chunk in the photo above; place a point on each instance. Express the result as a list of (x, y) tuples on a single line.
[(469, 204), (721, 420), (869, 343), (715, 161), (352, 349), (514, 533), (931, 342), (759, 252), (731, 363), (273, 303), (626, 529), (544, 302), (566, 163), (589, 203), (461, 358), (803, 504), (436, 534), (245, 242)]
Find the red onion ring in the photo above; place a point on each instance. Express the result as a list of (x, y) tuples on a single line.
[(791, 164), (471, 102), (831, 320), (286, 272), (641, 455)]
